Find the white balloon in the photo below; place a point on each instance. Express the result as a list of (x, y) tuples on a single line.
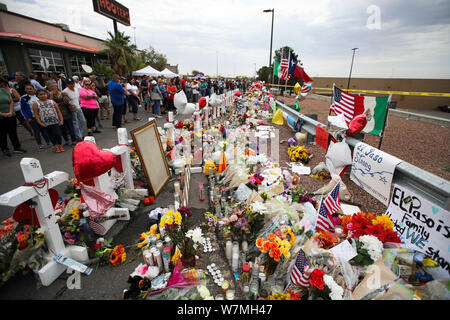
[(180, 101), (189, 109)]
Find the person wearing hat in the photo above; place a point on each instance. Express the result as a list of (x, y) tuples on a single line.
[(61, 82), (77, 82)]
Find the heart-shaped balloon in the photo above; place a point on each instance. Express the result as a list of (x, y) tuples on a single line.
[(90, 161), (202, 102)]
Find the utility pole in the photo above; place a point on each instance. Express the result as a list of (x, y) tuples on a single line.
[(351, 67), (271, 40), (135, 37)]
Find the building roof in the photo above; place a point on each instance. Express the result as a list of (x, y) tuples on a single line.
[(30, 38)]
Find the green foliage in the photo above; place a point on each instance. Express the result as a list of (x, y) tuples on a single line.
[(195, 72), (153, 58), (363, 257), (103, 69), (264, 73), (122, 54)]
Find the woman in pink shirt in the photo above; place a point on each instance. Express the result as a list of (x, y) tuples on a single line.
[(89, 105)]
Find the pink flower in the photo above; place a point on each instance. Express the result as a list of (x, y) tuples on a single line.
[(233, 218)]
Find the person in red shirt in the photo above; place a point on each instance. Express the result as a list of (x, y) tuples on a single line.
[(183, 83), (171, 90)]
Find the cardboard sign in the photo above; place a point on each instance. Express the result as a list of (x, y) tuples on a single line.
[(322, 137), (422, 226), (372, 170)]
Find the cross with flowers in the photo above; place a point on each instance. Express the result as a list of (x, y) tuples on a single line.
[(36, 187)]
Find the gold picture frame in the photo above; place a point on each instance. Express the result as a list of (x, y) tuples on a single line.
[(146, 140)]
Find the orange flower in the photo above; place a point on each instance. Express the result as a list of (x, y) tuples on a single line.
[(272, 237), (260, 242), (117, 256), (275, 253), (266, 247), (273, 245)]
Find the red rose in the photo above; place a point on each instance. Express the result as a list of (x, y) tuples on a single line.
[(97, 246), (316, 279)]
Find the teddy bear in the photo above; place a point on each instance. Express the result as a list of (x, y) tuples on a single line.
[(139, 280)]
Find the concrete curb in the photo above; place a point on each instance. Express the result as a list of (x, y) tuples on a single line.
[(420, 117)]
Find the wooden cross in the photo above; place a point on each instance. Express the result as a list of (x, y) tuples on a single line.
[(32, 173)]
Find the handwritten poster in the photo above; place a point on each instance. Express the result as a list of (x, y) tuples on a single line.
[(372, 170), (422, 226)]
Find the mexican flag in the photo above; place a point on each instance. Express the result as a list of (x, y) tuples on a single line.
[(276, 67), (376, 109)]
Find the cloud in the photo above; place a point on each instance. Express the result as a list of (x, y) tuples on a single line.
[(233, 35)]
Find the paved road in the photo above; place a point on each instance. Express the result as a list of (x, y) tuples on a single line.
[(107, 282)]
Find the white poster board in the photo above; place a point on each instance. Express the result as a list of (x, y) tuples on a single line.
[(372, 170), (422, 226)]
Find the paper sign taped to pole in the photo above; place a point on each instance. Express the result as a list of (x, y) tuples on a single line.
[(422, 226), (372, 170)]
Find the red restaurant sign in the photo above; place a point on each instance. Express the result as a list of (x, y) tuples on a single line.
[(112, 9)]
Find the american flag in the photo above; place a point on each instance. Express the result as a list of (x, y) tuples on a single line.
[(348, 104), (306, 88), (331, 202), (324, 222), (300, 276), (284, 67)]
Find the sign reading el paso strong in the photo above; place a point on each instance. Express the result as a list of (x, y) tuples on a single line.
[(112, 9)]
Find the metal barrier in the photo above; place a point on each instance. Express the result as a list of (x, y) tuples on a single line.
[(430, 186)]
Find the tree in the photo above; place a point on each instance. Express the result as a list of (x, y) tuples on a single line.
[(121, 53), (153, 58), (195, 72), (281, 53), (264, 73), (103, 69)]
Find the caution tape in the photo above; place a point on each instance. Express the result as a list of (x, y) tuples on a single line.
[(402, 93)]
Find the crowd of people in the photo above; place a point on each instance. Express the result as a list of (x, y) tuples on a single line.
[(56, 108)]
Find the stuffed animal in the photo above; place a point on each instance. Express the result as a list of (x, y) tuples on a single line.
[(146, 236), (140, 280)]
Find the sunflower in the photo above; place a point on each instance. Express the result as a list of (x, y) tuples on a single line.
[(118, 255)]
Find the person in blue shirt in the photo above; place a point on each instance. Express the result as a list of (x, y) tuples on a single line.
[(117, 94), (26, 107)]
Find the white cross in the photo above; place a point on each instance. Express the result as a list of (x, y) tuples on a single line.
[(32, 173), (103, 182)]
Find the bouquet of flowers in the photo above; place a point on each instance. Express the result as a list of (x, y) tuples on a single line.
[(361, 224), (369, 250), (74, 227), (299, 154), (211, 222), (275, 246), (19, 247)]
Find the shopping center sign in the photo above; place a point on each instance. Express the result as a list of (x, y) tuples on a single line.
[(112, 9)]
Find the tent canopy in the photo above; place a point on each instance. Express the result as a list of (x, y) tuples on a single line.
[(147, 71), (168, 74)]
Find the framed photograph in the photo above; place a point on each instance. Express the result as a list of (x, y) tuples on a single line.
[(151, 154)]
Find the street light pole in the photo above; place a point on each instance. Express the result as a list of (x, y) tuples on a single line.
[(135, 37), (271, 40), (351, 67)]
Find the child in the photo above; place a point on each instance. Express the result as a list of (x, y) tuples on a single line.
[(49, 117), (26, 106)]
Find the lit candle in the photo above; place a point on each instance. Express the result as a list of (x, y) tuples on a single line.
[(230, 295), (235, 262), (170, 116), (229, 250), (225, 286)]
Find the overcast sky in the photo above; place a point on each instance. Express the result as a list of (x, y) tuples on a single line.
[(396, 39)]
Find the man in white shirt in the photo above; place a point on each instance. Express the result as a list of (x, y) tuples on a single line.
[(79, 121), (77, 82), (133, 97)]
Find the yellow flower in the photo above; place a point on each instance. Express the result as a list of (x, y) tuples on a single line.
[(177, 215), (385, 221), (169, 221), (74, 214), (162, 223), (177, 221), (170, 213)]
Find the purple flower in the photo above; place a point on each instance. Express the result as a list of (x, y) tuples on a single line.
[(242, 222), (292, 142)]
